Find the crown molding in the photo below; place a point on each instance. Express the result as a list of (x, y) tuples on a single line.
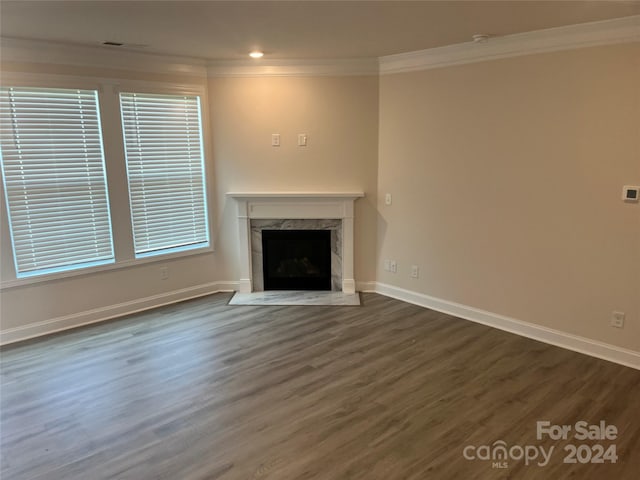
[(38, 51), (293, 68), (607, 32)]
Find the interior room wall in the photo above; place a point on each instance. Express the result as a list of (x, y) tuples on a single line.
[(44, 306), (339, 115), (507, 178)]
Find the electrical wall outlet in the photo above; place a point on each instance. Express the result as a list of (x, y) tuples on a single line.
[(617, 319), (631, 193), (415, 271), (394, 266), (164, 273)]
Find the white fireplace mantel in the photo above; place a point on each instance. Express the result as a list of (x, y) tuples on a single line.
[(295, 205)]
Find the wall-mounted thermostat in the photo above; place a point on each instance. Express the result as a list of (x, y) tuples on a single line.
[(630, 193)]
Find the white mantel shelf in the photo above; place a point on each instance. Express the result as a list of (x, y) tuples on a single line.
[(254, 195), (295, 205)]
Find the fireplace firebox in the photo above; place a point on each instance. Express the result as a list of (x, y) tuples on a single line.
[(296, 259)]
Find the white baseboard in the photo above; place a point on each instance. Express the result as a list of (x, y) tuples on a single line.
[(366, 286), (87, 317), (605, 351)]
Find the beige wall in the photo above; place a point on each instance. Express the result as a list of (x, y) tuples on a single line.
[(340, 117), (507, 178), (95, 295)]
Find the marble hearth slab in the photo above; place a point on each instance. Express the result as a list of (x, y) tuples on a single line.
[(288, 297)]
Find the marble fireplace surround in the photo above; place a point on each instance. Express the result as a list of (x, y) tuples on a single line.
[(316, 209), (334, 226)]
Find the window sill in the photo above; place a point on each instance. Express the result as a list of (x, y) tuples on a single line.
[(27, 281)]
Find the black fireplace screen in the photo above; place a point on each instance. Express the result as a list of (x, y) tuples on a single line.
[(296, 259)]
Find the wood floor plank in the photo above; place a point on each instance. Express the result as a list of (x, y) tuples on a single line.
[(388, 390)]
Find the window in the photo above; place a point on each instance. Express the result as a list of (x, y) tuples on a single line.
[(56, 189), (54, 177), (165, 169)]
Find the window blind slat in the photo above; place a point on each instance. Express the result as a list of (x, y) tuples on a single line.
[(165, 169), (55, 182), (73, 244)]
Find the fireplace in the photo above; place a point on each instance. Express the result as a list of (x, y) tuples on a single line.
[(259, 211), (296, 259)]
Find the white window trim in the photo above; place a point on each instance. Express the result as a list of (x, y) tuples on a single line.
[(21, 282), (139, 118), (113, 86), (41, 254)]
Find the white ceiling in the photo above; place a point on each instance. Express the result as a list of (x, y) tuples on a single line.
[(215, 30)]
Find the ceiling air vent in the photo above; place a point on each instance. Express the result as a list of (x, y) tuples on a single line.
[(113, 44)]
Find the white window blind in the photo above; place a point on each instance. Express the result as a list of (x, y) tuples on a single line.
[(165, 168), (54, 178)]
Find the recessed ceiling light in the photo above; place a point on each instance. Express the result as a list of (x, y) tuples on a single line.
[(256, 54)]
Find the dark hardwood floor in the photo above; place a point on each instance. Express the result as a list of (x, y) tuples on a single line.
[(390, 391)]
